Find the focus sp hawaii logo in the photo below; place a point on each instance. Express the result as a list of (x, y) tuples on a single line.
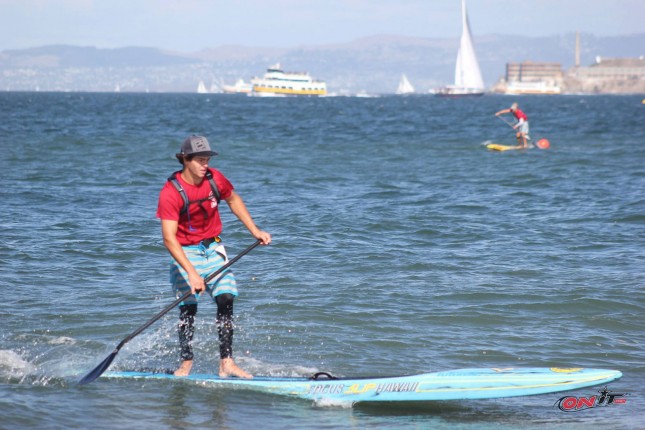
[(577, 404)]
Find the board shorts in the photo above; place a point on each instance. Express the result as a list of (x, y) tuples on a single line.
[(523, 128), (206, 261)]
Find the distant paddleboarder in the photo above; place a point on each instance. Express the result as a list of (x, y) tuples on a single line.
[(521, 126), (190, 224)]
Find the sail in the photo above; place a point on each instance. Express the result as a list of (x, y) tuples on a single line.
[(467, 73), (405, 87)]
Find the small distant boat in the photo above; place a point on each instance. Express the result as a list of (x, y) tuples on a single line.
[(201, 88), (240, 87), (366, 95), (405, 87), (277, 82), (468, 76), (215, 89)]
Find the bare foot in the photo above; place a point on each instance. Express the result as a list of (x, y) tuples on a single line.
[(227, 367), (184, 368)]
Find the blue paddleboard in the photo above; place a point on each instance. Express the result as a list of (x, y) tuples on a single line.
[(446, 385)]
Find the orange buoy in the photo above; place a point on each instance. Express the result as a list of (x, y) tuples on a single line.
[(543, 144)]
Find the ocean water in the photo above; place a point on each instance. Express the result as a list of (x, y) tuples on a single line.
[(401, 246)]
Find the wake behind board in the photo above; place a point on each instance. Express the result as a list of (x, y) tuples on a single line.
[(446, 385)]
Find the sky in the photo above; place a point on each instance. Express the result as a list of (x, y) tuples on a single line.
[(192, 25)]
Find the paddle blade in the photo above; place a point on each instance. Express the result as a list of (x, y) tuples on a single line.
[(98, 370)]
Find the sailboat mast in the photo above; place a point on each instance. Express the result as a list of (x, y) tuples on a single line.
[(468, 77), (467, 72)]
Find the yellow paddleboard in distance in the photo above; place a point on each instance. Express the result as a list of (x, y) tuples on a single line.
[(498, 147)]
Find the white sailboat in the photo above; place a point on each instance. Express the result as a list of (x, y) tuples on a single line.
[(405, 87), (468, 76), (201, 88)]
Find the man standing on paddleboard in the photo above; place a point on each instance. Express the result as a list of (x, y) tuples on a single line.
[(522, 125), (190, 224)]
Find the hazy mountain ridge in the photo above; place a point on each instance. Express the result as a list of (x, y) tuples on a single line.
[(372, 64), (88, 56)]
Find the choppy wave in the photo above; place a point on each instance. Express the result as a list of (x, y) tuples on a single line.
[(400, 246)]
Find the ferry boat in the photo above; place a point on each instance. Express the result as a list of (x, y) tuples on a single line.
[(277, 82)]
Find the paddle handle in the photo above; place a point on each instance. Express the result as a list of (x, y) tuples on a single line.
[(185, 296)]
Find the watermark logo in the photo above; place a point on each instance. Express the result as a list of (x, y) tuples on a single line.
[(604, 398)]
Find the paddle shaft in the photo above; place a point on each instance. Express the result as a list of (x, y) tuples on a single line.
[(102, 367), (506, 121)]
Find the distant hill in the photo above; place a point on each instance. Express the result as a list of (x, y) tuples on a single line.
[(80, 56), (372, 64)]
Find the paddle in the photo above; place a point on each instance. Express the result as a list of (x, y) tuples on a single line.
[(510, 124), (98, 371)]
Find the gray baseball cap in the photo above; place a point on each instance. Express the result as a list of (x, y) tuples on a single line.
[(195, 145)]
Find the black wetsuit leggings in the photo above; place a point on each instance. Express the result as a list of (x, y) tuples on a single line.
[(224, 323)]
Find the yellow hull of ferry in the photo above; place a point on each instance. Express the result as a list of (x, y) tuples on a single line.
[(289, 91)]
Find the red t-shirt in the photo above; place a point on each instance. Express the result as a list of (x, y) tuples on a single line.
[(520, 115), (202, 219)]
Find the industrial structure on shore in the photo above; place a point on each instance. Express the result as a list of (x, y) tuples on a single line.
[(606, 75), (532, 78)]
